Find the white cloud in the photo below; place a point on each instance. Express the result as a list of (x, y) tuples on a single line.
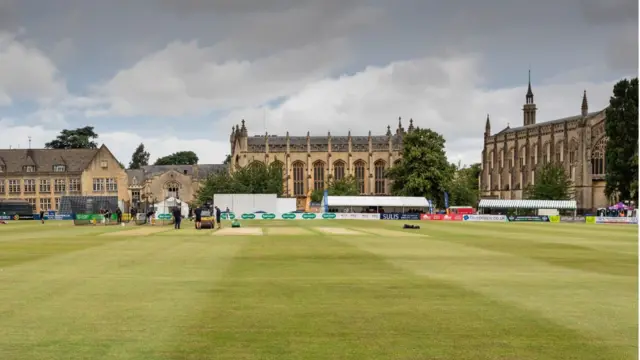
[(186, 79), (26, 73), (444, 94)]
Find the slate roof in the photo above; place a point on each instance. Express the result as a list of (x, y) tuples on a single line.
[(316, 140), (75, 160), (528, 204), (199, 171), (551, 122)]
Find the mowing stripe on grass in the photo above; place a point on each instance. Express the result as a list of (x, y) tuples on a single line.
[(125, 300), (603, 307), (258, 312)]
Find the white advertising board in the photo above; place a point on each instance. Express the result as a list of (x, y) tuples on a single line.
[(494, 218)]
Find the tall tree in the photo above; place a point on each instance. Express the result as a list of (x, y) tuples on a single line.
[(464, 187), (551, 183), (139, 158), (178, 158), (423, 169), (253, 179), (621, 129), (347, 186), (227, 159), (80, 138)]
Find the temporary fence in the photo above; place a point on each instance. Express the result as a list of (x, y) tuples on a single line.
[(300, 216)]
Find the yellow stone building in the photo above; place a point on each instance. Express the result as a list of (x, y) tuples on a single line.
[(309, 162), (511, 156), (43, 176), (153, 183)]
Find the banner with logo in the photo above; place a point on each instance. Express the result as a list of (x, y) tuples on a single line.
[(357, 216), (307, 216), (485, 218), (533, 218), (399, 216), (590, 219), (571, 219), (554, 218), (443, 217), (615, 220)]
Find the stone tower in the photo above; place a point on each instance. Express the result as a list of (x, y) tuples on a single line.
[(529, 109)]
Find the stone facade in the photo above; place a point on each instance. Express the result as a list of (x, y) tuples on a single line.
[(155, 183), (310, 162), (43, 176), (511, 156)]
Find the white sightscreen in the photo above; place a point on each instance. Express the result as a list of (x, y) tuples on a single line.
[(246, 203)]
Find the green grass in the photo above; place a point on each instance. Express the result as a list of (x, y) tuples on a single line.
[(462, 291)]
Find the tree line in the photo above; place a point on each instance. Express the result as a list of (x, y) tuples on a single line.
[(84, 138)]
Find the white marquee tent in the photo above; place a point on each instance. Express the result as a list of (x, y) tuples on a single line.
[(396, 202), (165, 206)]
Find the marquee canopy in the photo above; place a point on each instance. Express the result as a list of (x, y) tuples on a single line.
[(528, 204), (389, 201)]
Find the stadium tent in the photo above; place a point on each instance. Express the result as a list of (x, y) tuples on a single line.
[(164, 207), (388, 202), (528, 204)]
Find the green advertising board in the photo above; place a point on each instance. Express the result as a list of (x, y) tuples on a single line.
[(248, 216), (268, 216), (308, 216), (164, 216), (289, 216), (328, 216), (227, 216)]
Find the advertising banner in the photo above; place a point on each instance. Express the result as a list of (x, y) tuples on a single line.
[(357, 216), (485, 218), (533, 218), (442, 217), (400, 216), (616, 220), (554, 218), (590, 219), (571, 219)]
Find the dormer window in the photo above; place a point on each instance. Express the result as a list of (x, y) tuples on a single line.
[(59, 168), (135, 181), (2, 169), (30, 168)]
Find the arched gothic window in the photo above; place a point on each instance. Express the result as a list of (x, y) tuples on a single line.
[(298, 178), (172, 189), (380, 183), (318, 175), (598, 165), (359, 172), (338, 170)]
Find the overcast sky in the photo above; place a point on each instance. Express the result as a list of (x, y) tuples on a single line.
[(177, 75)]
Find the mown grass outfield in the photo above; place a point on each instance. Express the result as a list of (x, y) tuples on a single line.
[(297, 291)]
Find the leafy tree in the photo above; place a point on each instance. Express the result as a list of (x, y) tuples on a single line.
[(80, 138), (423, 169), (347, 186), (621, 129), (121, 165), (178, 158), (464, 187), (253, 179), (139, 158), (551, 183), (227, 159)]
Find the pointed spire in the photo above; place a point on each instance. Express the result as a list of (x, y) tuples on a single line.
[(349, 134), (399, 122), (388, 130), (529, 96), (369, 133), (287, 134), (488, 124), (411, 125), (308, 134), (329, 134), (585, 104)]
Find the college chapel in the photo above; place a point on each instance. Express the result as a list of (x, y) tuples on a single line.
[(309, 162), (511, 156)]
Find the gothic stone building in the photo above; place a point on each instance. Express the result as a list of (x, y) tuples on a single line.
[(309, 162), (511, 157), (155, 183)]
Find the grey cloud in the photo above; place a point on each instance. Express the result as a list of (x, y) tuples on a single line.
[(600, 12)]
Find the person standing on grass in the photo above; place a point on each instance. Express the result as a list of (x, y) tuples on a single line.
[(119, 215), (177, 218), (198, 213), (218, 216), (42, 216)]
